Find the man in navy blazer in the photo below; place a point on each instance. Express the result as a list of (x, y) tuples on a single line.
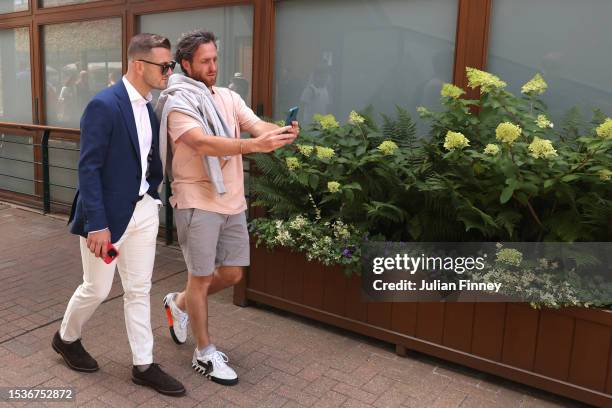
[(117, 202)]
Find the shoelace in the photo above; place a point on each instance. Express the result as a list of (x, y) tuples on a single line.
[(183, 320), (219, 359)]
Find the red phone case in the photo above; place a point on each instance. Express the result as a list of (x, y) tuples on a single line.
[(109, 254)]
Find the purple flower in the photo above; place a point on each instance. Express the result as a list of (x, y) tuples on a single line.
[(347, 253)]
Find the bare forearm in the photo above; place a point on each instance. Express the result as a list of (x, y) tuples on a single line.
[(262, 127), (222, 146)]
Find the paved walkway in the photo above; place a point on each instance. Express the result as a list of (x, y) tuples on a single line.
[(282, 360)]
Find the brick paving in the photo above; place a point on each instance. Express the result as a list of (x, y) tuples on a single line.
[(282, 360)]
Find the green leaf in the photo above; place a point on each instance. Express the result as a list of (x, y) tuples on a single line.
[(570, 177), (506, 194), (313, 181)]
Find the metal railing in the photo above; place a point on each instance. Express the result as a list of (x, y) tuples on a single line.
[(43, 185)]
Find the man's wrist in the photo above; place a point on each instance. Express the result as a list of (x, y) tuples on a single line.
[(247, 146)]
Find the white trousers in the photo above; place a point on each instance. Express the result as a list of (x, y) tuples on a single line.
[(135, 263)]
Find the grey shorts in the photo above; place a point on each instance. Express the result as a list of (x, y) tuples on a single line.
[(209, 240)]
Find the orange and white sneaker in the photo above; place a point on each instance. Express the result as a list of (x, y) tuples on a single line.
[(177, 319)]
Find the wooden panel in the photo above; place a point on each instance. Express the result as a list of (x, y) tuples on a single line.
[(554, 350), (295, 264), (609, 385), (458, 319), (379, 314), (430, 321), (256, 278), (356, 308), (334, 297), (520, 335), (313, 285), (488, 332), (472, 40), (404, 317), (274, 271), (590, 355)]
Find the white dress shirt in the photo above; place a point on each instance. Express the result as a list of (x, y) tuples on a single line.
[(143, 128)]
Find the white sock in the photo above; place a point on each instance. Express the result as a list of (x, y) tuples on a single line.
[(207, 350)]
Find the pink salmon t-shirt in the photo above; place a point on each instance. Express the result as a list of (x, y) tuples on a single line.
[(192, 187)]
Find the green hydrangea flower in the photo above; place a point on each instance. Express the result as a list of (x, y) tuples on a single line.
[(292, 163), (543, 122), (605, 174), (451, 91), (486, 81), (333, 186), (542, 148), (325, 152), (455, 140), (535, 86), (355, 118), (491, 149), (326, 121), (605, 129), (387, 147), (507, 132), (306, 150)]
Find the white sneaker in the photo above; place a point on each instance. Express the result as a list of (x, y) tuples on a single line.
[(177, 319), (214, 366)]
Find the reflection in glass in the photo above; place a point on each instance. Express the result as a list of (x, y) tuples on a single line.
[(80, 60), (54, 3), (555, 39), (11, 6), (233, 27), (390, 52), (15, 76), (16, 163)]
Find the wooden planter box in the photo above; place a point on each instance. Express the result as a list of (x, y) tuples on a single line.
[(567, 351)]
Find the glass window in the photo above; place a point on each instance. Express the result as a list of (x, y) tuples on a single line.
[(63, 169), (80, 60), (54, 3), (568, 42), (16, 164), (15, 83), (333, 57), (233, 27), (10, 6)]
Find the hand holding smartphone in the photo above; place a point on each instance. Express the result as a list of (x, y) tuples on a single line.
[(111, 253), (291, 115)]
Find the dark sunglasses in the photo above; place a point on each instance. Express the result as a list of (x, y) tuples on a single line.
[(164, 67)]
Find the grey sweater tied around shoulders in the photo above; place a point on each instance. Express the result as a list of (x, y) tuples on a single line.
[(193, 98)]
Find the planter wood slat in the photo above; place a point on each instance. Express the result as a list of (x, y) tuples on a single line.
[(458, 326), (403, 318), (274, 273), (591, 342), (488, 336), (293, 288), (355, 308), (430, 321), (379, 314), (312, 288), (554, 350), (256, 278), (520, 336), (566, 351), (334, 297)]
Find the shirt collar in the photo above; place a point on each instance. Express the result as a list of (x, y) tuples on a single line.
[(134, 95)]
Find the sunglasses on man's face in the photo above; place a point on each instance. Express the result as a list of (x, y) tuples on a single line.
[(164, 67)]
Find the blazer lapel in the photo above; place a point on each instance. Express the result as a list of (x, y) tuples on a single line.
[(128, 116)]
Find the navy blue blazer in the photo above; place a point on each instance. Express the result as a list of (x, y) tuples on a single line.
[(109, 164)]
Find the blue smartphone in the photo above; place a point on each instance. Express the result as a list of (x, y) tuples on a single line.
[(291, 115)]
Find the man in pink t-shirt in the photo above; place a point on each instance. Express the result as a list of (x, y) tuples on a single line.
[(211, 227)]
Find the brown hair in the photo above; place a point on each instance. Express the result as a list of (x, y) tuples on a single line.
[(145, 42), (189, 43)]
